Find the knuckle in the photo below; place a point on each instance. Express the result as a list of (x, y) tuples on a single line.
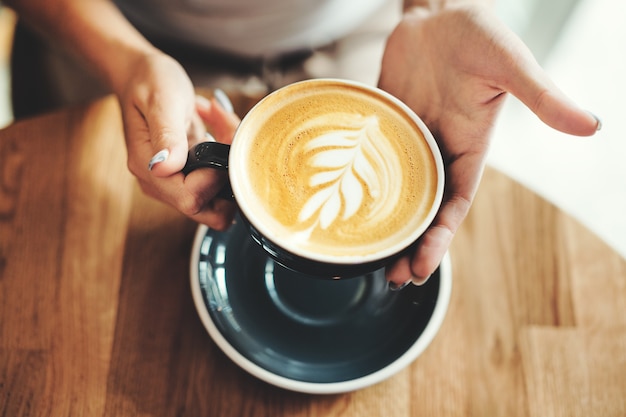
[(190, 205), (220, 223), (133, 167)]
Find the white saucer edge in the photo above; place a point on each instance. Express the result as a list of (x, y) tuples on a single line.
[(427, 336)]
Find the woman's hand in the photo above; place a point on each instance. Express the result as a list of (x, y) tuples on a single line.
[(453, 68), (163, 118)]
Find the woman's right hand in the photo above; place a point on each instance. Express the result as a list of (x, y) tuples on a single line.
[(163, 118)]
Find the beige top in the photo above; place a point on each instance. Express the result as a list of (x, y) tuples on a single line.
[(249, 27)]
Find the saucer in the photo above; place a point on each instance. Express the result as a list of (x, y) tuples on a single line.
[(303, 333)]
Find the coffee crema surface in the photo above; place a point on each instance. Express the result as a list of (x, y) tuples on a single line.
[(335, 169)]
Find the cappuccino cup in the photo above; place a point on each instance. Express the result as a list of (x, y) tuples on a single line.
[(333, 178)]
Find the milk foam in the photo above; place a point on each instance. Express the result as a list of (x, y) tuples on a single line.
[(349, 164), (334, 170)]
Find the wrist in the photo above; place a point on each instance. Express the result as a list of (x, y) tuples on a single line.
[(118, 73)]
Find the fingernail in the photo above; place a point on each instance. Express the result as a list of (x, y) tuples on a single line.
[(158, 158), (209, 137), (223, 100), (419, 280), (203, 102), (598, 120), (397, 287)]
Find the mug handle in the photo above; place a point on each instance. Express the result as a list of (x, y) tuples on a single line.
[(210, 155)]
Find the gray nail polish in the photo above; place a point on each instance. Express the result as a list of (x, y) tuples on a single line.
[(157, 158), (397, 287), (223, 100), (599, 126)]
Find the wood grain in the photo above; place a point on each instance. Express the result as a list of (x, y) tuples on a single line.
[(97, 319)]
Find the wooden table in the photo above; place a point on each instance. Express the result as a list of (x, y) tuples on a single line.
[(96, 315)]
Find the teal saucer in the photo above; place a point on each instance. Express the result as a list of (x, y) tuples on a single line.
[(304, 333)]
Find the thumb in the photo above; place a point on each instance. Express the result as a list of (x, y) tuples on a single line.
[(168, 139)]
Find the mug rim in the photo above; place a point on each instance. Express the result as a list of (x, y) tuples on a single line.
[(236, 152), (404, 360)]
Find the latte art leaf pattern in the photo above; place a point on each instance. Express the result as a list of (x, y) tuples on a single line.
[(352, 170)]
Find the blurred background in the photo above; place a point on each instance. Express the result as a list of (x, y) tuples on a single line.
[(582, 45)]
